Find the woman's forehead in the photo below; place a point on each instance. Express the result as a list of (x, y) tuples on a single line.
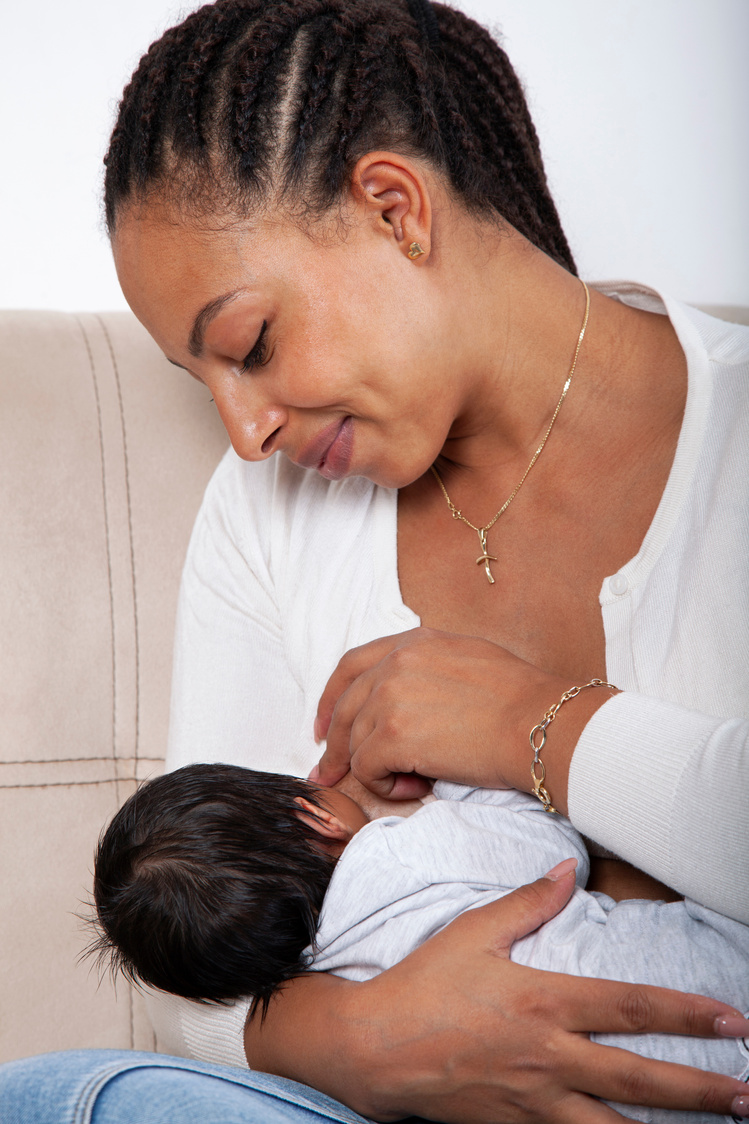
[(172, 269), (153, 237)]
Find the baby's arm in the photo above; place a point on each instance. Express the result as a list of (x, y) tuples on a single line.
[(520, 841), (400, 882)]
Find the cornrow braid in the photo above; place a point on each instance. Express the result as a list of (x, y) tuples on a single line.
[(492, 98), (251, 103), (423, 12)]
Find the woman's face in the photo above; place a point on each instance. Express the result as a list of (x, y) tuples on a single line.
[(338, 352)]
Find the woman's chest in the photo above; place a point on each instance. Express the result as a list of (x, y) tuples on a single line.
[(543, 617), (547, 566)]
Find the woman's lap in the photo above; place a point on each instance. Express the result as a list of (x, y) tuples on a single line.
[(121, 1086)]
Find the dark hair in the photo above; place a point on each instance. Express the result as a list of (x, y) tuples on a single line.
[(207, 884), (257, 102)]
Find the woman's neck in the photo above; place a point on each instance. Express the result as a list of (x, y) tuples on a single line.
[(526, 316)]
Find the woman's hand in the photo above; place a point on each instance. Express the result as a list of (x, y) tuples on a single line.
[(373, 806), (432, 704), (458, 1033)]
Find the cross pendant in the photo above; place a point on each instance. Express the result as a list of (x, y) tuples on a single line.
[(485, 557)]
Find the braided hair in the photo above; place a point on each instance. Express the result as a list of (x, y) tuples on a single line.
[(256, 103)]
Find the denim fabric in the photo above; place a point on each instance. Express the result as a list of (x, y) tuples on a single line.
[(124, 1087)]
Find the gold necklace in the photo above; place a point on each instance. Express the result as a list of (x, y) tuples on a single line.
[(485, 557)]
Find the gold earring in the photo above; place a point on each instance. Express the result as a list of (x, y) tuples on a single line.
[(415, 250)]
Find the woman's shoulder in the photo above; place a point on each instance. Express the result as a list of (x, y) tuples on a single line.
[(260, 500), (712, 330), (297, 532)]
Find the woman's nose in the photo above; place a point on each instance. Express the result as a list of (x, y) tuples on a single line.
[(254, 428)]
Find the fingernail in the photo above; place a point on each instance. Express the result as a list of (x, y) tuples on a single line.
[(732, 1026), (740, 1106), (314, 775), (561, 869), (318, 730)]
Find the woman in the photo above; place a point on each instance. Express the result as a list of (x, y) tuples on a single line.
[(335, 215)]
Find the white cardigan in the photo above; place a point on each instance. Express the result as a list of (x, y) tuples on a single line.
[(286, 571)]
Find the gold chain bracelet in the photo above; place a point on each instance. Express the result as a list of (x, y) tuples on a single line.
[(538, 772)]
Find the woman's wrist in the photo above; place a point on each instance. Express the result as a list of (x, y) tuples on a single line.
[(348, 1040), (283, 1042), (562, 734), (317, 1032)]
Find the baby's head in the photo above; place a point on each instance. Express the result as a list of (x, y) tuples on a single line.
[(208, 882)]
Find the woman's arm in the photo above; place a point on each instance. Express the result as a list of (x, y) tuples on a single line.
[(234, 697), (664, 787), (458, 1033), (667, 788)]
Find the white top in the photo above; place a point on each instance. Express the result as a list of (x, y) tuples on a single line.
[(286, 571)]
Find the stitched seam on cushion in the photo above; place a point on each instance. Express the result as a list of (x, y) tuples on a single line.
[(68, 784), (130, 531), (72, 760), (109, 556), (118, 384)]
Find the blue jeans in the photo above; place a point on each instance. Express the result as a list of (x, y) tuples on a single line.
[(125, 1087)]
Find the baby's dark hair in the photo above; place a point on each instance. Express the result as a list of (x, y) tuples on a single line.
[(254, 103), (208, 884)]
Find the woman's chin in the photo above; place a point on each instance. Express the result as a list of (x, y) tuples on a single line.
[(393, 476)]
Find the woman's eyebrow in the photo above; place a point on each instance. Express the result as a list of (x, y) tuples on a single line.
[(203, 319)]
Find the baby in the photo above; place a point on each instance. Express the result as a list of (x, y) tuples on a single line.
[(216, 882)]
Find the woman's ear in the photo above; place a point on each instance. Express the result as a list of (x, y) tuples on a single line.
[(327, 825), (394, 191)]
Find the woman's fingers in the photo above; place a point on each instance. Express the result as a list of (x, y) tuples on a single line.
[(409, 786), (378, 764), (421, 702), (608, 1007), (349, 713), (618, 1075), (334, 762), (350, 666), (374, 713)]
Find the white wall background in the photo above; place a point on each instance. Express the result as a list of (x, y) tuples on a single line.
[(642, 107)]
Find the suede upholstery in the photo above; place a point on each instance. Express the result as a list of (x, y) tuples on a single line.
[(105, 449)]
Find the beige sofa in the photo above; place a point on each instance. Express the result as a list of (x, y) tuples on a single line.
[(105, 449)]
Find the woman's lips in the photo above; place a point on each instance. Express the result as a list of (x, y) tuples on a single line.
[(330, 452)]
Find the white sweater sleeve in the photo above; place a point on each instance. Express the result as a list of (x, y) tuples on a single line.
[(234, 699), (667, 788)]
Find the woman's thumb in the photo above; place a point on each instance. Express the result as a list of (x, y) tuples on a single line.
[(525, 909)]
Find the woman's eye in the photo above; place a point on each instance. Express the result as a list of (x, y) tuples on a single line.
[(256, 357)]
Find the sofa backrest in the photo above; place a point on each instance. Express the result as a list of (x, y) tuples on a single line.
[(105, 450)]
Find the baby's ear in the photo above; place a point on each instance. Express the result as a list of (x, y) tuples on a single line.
[(325, 823)]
